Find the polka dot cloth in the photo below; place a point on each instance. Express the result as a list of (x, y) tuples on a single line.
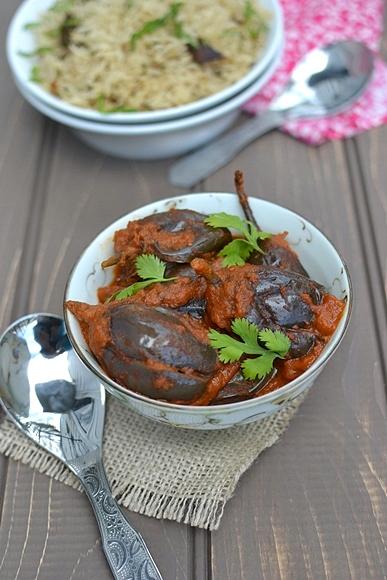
[(312, 23)]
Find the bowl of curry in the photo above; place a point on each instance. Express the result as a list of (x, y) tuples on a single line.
[(208, 310)]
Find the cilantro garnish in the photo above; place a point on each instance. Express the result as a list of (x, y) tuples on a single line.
[(239, 250), (252, 19), (148, 267), (170, 17), (35, 75), (103, 108), (31, 25), (37, 52), (267, 344), (62, 6)]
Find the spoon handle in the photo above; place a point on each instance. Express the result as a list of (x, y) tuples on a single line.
[(198, 165), (125, 549)]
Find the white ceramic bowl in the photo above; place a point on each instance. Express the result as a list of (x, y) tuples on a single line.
[(155, 140), (19, 38), (317, 254)]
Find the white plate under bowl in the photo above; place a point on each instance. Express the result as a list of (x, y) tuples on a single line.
[(316, 253), (156, 140), (18, 38)]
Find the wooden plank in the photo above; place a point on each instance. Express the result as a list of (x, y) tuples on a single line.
[(370, 201), (314, 505), (369, 151), (51, 533), (20, 145), (84, 192)]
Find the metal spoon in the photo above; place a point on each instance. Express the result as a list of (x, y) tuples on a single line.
[(325, 82), (60, 405)]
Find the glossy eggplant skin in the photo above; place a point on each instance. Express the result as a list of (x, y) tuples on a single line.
[(268, 297), (278, 298), (279, 303), (239, 389), (204, 238), (154, 353), (279, 257)]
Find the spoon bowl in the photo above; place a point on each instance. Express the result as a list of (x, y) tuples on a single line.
[(46, 390), (51, 396), (326, 81)]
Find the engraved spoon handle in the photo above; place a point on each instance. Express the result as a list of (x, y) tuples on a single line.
[(125, 549)]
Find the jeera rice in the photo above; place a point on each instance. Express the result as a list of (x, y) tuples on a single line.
[(144, 55)]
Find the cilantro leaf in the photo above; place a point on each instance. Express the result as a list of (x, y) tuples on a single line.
[(226, 220), (130, 290), (230, 348), (275, 340), (248, 331), (275, 345), (62, 6), (150, 266), (35, 75), (253, 21), (238, 251), (103, 108), (31, 25), (152, 25), (258, 367), (37, 52), (254, 235)]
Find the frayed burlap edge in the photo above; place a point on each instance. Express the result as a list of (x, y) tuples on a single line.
[(201, 501)]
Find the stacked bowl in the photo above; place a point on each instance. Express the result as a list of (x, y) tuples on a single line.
[(148, 134)]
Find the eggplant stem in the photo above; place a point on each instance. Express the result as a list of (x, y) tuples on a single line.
[(112, 261), (240, 189)]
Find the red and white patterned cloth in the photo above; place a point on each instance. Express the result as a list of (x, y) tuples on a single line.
[(312, 23)]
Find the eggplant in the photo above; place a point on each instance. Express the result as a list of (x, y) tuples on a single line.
[(149, 350), (204, 238), (177, 235), (278, 254), (280, 298), (280, 302), (239, 389), (269, 297)]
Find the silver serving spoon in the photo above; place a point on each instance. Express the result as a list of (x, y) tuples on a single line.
[(325, 82), (60, 405)]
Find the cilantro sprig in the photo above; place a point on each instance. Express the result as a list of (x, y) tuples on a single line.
[(35, 75), (169, 18), (148, 267), (239, 250), (102, 107), (267, 344), (62, 6), (37, 52), (254, 23)]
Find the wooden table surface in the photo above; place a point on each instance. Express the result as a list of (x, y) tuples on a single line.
[(314, 506)]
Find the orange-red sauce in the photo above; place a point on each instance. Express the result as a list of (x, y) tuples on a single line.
[(229, 296)]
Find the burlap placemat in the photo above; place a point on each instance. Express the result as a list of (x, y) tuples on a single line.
[(160, 471)]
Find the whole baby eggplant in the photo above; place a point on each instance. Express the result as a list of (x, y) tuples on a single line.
[(283, 300), (177, 235), (149, 350), (269, 297), (278, 254)]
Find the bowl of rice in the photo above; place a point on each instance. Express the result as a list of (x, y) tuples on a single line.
[(131, 61), (158, 140)]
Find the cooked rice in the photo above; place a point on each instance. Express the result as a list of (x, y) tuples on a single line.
[(100, 69)]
